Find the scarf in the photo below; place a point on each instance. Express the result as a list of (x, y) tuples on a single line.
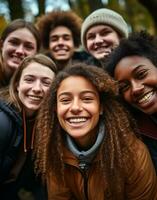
[(85, 157)]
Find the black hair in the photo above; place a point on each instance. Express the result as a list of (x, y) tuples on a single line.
[(140, 44)]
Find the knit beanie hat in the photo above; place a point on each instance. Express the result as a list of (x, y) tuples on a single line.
[(107, 17)]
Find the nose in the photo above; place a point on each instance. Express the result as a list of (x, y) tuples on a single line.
[(20, 49), (76, 106), (60, 40), (137, 88), (98, 39), (37, 87)]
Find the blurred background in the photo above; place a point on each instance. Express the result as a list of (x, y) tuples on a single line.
[(139, 14)]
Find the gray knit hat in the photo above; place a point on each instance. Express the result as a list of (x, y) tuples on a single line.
[(107, 17)]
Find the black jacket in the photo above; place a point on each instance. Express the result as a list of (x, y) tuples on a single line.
[(10, 137)]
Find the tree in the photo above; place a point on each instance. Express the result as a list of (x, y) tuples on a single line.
[(16, 9), (151, 6), (41, 6)]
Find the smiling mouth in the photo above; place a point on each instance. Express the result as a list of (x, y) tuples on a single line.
[(35, 98), (145, 98), (17, 59), (77, 120)]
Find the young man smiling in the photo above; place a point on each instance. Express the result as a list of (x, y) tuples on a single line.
[(60, 35)]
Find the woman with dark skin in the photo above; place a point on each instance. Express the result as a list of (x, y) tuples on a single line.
[(18, 40), (19, 105), (86, 147), (134, 65)]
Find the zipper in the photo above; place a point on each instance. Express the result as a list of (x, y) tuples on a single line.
[(83, 172)]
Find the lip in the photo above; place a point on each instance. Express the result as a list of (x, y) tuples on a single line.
[(60, 49), (146, 100), (103, 49), (16, 59), (35, 98), (77, 122)]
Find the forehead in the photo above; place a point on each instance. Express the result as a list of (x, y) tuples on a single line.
[(37, 69), (22, 33), (97, 28), (81, 84), (60, 30), (128, 64), (133, 61)]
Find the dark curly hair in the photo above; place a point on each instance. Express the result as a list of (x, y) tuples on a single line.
[(51, 20), (116, 153), (138, 43)]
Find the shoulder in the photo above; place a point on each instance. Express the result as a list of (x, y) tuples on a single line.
[(141, 181), (9, 120)]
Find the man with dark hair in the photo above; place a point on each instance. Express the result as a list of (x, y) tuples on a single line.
[(60, 35)]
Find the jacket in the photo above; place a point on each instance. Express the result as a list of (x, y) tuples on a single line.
[(17, 176), (10, 137), (139, 182), (148, 130)]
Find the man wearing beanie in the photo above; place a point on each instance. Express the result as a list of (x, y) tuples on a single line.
[(60, 35), (101, 32)]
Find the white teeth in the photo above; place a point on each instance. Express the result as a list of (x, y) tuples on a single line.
[(146, 97), (77, 120), (35, 98)]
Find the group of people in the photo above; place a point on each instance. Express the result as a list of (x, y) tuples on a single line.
[(77, 109)]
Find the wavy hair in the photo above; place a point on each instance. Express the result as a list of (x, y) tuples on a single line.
[(13, 26), (116, 151), (10, 93), (51, 20)]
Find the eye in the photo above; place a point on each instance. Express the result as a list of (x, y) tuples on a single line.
[(53, 38), (105, 32), (141, 74), (90, 37), (28, 80), (29, 46), (14, 42), (46, 82), (87, 99), (65, 100), (67, 37), (123, 87)]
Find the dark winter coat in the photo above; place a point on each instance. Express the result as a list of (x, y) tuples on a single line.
[(10, 138), (17, 178), (148, 130)]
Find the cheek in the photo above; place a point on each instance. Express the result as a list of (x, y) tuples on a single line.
[(52, 45), (153, 79), (127, 97), (32, 52), (46, 90), (88, 44)]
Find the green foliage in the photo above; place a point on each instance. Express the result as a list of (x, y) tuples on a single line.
[(136, 15)]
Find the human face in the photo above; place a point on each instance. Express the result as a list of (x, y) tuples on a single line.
[(33, 86), (78, 109), (137, 78), (19, 44), (101, 40), (61, 43)]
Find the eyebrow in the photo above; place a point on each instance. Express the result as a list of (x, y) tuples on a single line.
[(83, 92), (60, 35), (138, 67), (133, 71)]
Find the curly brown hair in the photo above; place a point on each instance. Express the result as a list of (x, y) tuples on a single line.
[(51, 20), (116, 151)]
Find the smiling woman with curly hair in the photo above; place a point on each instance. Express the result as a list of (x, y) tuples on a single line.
[(86, 148)]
